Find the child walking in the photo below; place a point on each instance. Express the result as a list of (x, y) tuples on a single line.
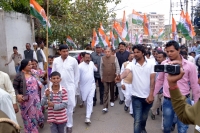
[(56, 99)]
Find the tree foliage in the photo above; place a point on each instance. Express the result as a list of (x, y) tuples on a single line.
[(75, 18)]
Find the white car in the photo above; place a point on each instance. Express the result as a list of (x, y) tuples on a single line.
[(75, 53)]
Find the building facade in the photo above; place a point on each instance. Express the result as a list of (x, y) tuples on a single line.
[(156, 21)]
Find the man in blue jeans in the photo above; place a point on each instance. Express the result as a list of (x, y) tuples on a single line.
[(173, 50), (143, 83)]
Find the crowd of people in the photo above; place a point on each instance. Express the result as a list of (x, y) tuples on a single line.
[(127, 73)]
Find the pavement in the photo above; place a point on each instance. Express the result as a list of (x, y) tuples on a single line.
[(115, 121)]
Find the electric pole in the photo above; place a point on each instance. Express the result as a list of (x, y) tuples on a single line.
[(170, 11), (186, 6)]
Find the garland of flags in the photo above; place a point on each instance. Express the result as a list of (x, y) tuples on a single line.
[(121, 32)]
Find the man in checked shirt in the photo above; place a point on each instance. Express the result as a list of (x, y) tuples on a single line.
[(172, 49)]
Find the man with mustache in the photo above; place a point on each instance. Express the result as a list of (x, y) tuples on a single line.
[(87, 84)]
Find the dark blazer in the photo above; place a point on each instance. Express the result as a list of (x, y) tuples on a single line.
[(19, 83)]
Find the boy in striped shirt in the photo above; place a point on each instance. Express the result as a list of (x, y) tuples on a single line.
[(56, 99)]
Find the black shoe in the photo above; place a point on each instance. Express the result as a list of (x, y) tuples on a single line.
[(173, 127), (121, 102), (158, 112), (101, 102), (94, 103), (125, 108), (143, 131), (152, 116)]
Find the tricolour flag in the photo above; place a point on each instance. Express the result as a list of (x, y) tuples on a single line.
[(117, 39), (104, 38), (95, 39), (146, 26), (190, 26), (118, 29), (174, 30), (37, 11), (70, 42), (137, 18), (183, 26), (161, 34), (125, 35)]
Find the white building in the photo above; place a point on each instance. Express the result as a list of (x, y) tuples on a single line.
[(156, 22)]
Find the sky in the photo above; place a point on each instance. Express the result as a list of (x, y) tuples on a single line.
[(146, 6)]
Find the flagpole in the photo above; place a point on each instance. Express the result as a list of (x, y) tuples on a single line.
[(47, 40)]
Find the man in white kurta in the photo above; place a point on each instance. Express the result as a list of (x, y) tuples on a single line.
[(6, 105), (67, 66), (87, 84), (126, 84)]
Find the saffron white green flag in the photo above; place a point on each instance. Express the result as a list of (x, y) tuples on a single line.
[(137, 18), (70, 42), (125, 35), (161, 34), (183, 27), (37, 11)]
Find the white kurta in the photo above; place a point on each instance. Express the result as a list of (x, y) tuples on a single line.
[(87, 82), (128, 89), (70, 75), (6, 105)]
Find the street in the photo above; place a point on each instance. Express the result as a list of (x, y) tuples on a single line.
[(115, 121)]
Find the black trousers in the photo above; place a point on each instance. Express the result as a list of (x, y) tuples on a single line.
[(116, 91), (101, 90)]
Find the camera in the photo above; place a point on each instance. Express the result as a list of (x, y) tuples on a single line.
[(170, 69)]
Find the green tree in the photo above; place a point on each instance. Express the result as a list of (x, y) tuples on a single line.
[(76, 19)]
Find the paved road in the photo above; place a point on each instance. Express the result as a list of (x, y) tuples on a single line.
[(115, 121)]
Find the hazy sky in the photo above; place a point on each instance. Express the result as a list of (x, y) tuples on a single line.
[(146, 6)]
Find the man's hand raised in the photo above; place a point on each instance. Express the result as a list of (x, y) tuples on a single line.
[(172, 79)]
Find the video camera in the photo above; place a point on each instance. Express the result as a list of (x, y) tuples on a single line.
[(170, 69)]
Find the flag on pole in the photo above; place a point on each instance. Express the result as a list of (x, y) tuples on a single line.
[(70, 42), (161, 34), (146, 26), (174, 30), (118, 29), (137, 18), (104, 38), (190, 26), (183, 27), (125, 35), (117, 39), (37, 11), (95, 39)]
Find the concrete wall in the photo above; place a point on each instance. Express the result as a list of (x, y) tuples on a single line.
[(15, 30)]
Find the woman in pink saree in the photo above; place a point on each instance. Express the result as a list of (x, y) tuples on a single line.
[(26, 88)]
